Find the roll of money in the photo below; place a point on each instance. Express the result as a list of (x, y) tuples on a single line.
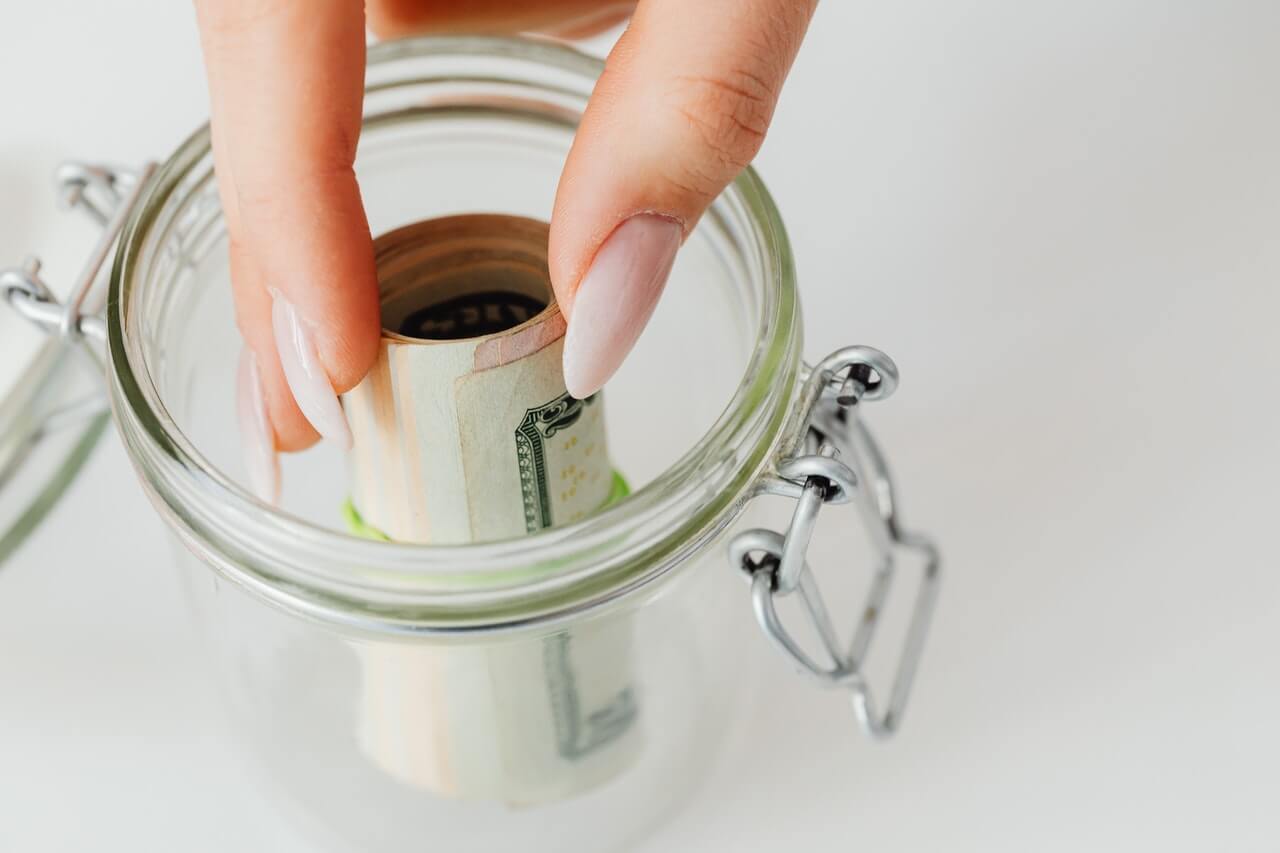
[(464, 432), (463, 429)]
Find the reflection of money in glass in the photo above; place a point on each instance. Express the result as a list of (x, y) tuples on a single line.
[(464, 433), (578, 733)]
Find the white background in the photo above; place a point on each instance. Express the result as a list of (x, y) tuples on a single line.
[(1060, 217)]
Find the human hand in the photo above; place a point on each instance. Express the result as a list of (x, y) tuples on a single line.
[(682, 107)]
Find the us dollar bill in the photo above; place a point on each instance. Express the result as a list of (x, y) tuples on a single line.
[(464, 432)]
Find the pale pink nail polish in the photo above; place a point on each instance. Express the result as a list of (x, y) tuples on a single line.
[(616, 298), (257, 442), (306, 376)]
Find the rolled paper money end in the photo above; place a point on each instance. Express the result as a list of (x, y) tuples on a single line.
[(463, 429), (464, 432)]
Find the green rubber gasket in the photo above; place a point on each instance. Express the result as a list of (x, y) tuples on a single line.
[(357, 526)]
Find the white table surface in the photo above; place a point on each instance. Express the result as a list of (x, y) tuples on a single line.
[(1060, 217)]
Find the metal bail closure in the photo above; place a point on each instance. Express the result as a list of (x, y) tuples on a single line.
[(53, 413), (107, 195), (839, 462)]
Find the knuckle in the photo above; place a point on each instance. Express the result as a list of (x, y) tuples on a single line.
[(271, 191), (729, 113), (259, 202), (694, 179)]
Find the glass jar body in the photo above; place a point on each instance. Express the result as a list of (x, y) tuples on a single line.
[(369, 742), (562, 691)]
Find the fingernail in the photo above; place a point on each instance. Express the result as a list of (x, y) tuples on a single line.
[(257, 444), (616, 298), (306, 376)]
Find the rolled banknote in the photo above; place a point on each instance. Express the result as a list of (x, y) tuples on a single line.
[(464, 432)]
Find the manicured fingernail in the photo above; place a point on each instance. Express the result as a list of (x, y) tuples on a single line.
[(616, 298), (306, 376), (257, 443)]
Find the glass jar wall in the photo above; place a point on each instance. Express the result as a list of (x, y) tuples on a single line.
[(562, 691), (360, 738)]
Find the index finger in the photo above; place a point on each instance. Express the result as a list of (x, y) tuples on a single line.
[(286, 80)]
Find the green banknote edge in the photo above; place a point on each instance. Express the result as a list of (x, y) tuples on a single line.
[(357, 526)]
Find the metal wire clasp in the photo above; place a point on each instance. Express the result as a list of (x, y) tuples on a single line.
[(837, 462), (107, 195)]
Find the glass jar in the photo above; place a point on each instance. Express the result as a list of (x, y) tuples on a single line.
[(562, 691)]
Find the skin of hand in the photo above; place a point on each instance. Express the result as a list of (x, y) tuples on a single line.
[(681, 108)]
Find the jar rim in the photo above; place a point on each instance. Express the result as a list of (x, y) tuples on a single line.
[(428, 589)]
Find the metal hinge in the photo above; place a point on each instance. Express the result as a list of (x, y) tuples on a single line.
[(838, 462), (107, 195)]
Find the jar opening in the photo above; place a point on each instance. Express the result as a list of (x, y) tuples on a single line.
[(429, 272), (508, 107)]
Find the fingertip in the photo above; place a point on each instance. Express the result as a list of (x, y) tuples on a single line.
[(616, 298), (305, 373), (350, 350), (257, 439), (292, 430), (289, 428)]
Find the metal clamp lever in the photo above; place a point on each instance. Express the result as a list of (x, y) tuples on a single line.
[(107, 195), (839, 462)]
